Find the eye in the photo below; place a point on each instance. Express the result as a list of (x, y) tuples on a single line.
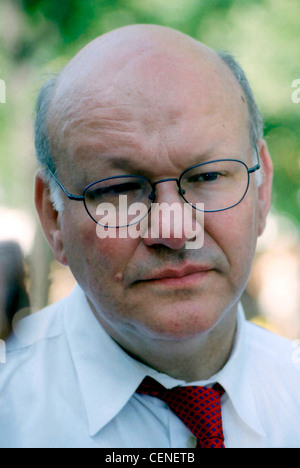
[(205, 177), (109, 191), (119, 188)]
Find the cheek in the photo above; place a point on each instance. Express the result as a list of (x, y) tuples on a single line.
[(235, 232), (95, 260)]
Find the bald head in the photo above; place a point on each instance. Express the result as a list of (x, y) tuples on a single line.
[(123, 48), (140, 62)]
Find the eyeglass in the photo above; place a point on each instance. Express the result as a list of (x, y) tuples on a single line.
[(219, 185)]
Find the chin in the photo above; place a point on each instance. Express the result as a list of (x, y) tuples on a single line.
[(179, 323)]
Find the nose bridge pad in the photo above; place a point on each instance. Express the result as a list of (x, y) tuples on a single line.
[(181, 191), (152, 195)]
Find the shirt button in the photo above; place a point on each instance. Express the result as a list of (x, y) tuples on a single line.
[(191, 442)]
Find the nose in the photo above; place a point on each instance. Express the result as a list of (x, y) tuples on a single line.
[(171, 222)]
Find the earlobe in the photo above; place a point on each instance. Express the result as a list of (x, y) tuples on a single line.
[(58, 247), (49, 218), (265, 188)]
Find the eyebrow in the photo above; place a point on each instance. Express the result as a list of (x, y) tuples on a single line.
[(124, 164), (118, 162)]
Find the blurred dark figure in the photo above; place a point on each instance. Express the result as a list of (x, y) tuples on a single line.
[(13, 294)]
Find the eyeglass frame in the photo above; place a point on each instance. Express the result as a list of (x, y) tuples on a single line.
[(73, 197)]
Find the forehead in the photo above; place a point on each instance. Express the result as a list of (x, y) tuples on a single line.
[(152, 105)]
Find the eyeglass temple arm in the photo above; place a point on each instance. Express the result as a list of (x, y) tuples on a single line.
[(69, 195), (257, 166)]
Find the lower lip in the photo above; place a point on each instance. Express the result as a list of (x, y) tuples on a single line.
[(184, 281)]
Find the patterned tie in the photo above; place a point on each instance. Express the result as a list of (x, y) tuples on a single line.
[(198, 407)]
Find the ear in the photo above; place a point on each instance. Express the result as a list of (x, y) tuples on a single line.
[(49, 217), (265, 188)]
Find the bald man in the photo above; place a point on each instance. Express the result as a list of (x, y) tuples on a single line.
[(154, 185)]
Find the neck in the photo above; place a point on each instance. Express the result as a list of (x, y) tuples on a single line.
[(193, 359)]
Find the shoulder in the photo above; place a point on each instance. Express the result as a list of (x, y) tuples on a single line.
[(268, 343), (273, 357), (37, 337), (38, 349), (35, 327), (273, 373)]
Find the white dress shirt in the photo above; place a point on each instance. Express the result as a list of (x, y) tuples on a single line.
[(67, 384)]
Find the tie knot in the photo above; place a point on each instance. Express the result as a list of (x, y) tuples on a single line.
[(198, 407)]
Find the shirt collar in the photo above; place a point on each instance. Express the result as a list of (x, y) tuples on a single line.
[(236, 380), (103, 369)]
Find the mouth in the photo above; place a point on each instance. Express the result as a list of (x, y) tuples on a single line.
[(178, 278)]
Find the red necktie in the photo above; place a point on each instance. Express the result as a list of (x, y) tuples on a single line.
[(198, 407)]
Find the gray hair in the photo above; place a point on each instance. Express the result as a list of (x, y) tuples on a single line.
[(42, 143), (255, 118)]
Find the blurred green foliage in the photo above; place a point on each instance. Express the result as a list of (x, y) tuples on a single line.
[(39, 36)]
